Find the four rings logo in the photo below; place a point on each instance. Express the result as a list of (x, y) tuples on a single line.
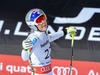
[(63, 70)]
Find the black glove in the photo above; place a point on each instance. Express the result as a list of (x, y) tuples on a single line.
[(65, 31)]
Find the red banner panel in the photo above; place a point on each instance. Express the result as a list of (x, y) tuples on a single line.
[(14, 65), (62, 67)]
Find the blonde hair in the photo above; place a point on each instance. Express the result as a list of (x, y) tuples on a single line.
[(31, 31)]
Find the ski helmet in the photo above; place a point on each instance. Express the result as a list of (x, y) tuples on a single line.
[(32, 16)]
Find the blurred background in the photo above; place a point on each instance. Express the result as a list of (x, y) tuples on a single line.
[(84, 14)]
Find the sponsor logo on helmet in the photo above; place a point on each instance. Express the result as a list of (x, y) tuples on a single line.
[(34, 15)]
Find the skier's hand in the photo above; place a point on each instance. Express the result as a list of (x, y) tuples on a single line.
[(65, 31), (27, 44), (71, 30)]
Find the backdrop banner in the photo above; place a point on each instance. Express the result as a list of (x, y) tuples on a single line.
[(84, 14)]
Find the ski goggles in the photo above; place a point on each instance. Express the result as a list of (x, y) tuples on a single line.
[(40, 19)]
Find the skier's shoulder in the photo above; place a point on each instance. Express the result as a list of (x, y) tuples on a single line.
[(32, 36)]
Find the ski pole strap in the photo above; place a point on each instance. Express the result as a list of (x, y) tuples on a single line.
[(72, 39)]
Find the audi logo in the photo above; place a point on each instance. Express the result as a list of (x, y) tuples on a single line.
[(59, 70)]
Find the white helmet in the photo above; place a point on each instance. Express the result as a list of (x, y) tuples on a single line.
[(32, 16)]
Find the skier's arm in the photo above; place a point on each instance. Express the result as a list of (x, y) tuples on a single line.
[(55, 36), (24, 55), (59, 34), (26, 45)]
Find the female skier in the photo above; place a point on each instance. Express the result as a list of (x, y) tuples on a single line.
[(36, 47)]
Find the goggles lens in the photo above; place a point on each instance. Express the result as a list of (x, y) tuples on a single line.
[(40, 19)]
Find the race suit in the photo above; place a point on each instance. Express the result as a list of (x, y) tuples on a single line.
[(39, 55)]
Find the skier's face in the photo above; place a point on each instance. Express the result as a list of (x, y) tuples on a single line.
[(42, 26), (42, 23)]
